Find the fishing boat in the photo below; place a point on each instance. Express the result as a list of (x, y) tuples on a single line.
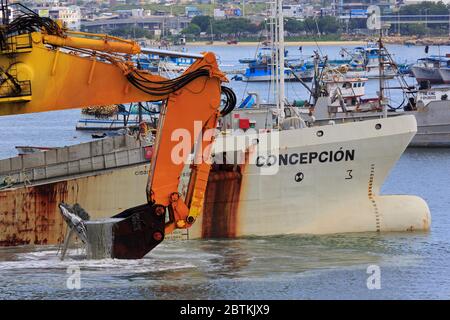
[(173, 66), (366, 63), (147, 62), (167, 66), (430, 106), (427, 69), (261, 69)]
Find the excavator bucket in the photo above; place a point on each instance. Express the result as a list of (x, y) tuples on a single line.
[(130, 234)]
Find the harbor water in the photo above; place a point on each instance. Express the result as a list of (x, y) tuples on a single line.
[(340, 266)]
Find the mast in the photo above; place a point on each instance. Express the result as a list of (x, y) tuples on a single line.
[(276, 60), (281, 56), (274, 51), (381, 75), (374, 23)]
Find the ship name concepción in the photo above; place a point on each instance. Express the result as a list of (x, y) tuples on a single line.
[(305, 158)]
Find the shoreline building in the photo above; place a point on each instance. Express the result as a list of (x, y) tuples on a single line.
[(69, 15), (347, 9)]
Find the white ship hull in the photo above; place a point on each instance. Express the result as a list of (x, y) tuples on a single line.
[(332, 197)]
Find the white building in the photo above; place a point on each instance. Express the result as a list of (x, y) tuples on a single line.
[(293, 11), (133, 13), (298, 11), (70, 16), (219, 13)]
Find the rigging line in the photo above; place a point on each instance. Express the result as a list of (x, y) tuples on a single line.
[(315, 41), (256, 51)]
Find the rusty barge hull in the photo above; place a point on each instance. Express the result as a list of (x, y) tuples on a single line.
[(30, 215), (104, 176)]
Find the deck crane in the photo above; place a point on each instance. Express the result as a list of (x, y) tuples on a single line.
[(44, 67)]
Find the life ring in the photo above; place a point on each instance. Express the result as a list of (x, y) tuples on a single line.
[(148, 152)]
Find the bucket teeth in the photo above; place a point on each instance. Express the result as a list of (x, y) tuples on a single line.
[(74, 221)]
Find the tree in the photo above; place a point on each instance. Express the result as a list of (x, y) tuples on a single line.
[(235, 26), (414, 29), (204, 22), (293, 25), (192, 29), (328, 24), (431, 8), (356, 23), (426, 8)]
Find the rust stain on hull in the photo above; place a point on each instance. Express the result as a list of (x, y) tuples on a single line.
[(222, 202), (31, 215)]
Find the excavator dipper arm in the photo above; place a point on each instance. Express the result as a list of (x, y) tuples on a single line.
[(53, 69)]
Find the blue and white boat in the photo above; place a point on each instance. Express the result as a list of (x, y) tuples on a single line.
[(261, 68), (165, 66), (366, 63)]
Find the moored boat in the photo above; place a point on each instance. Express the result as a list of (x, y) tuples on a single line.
[(262, 69), (427, 69), (366, 63), (429, 105)]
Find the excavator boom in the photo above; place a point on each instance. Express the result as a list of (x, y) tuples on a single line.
[(44, 67)]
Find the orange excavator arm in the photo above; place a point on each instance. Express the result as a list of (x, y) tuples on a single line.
[(49, 68)]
